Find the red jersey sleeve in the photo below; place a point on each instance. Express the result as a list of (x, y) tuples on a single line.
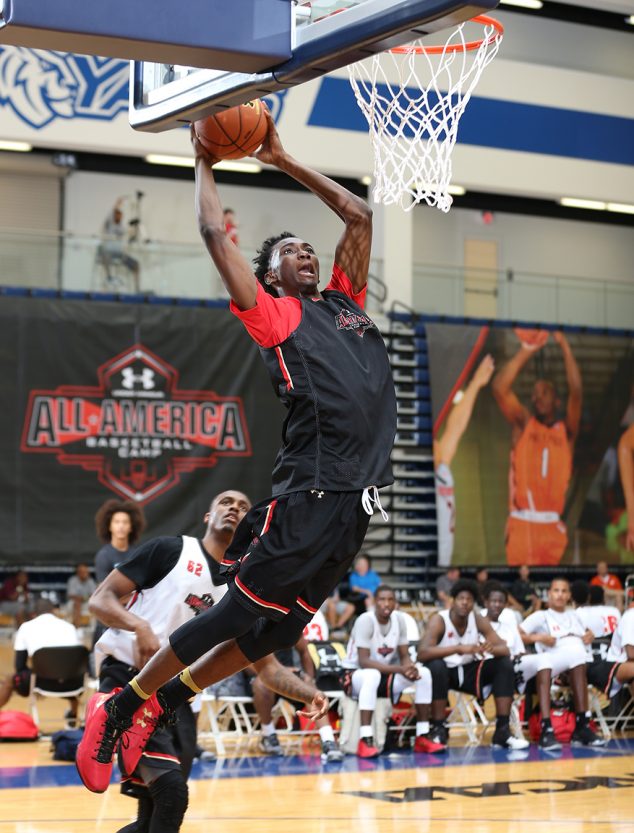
[(341, 283), (271, 320)]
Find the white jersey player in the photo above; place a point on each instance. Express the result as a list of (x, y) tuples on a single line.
[(379, 665)]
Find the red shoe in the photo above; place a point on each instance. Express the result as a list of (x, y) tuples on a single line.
[(423, 743), (145, 721), (367, 749), (104, 727)]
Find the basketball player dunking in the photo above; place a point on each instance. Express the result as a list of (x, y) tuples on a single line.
[(541, 455), (330, 368)]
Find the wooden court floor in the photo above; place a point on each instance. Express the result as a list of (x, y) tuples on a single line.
[(474, 788)]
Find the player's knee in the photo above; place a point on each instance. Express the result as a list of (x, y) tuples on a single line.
[(171, 797), (440, 678), (423, 672), (268, 636), (504, 682), (370, 677)]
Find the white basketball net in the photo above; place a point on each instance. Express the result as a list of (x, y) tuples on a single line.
[(414, 119)]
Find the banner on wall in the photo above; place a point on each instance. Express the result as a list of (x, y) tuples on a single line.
[(166, 406), (531, 429)]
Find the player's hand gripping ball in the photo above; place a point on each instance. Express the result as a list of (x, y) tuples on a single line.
[(532, 339), (233, 133)]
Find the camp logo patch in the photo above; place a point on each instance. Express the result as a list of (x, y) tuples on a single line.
[(136, 429)]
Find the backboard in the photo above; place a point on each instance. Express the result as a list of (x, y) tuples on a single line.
[(325, 35)]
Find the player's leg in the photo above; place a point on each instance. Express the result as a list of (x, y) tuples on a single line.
[(572, 659), (542, 665), (365, 684), (141, 824), (440, 675), (422, 706), (498, 673), (264, 699)]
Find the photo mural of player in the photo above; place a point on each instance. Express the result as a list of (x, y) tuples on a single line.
[(533, 445)]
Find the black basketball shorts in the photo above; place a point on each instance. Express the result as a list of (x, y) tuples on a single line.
[(602, 675), (289, 552)]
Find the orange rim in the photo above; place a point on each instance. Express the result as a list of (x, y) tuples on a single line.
[(483, 19)]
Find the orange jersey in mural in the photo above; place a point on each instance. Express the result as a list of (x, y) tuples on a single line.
[(541, 465)]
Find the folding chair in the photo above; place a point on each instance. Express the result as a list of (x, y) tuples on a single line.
[(66, 666), (467, 713), (231, 717)]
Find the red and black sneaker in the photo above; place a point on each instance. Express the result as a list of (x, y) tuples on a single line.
[(95, 753), (424, 743), (145, 721), (367, 749)]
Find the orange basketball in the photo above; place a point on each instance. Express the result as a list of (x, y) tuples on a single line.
[(533, 339), (233, 133)]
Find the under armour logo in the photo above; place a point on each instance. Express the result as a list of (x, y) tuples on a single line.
[(130, 378), (142, 720)]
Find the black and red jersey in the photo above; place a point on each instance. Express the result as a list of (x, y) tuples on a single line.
[(330, 368)]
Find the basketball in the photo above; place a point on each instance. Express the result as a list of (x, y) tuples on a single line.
[(533, 339), (234, 133)]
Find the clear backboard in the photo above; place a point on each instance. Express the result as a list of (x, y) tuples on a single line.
[(325, 35)]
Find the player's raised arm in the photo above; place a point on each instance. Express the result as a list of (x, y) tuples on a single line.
[(353, 249), (445, 448), (502, 387), (234, 268), (573, 378)]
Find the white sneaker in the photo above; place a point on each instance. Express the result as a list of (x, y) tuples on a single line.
[(517, 743), (503, 739)]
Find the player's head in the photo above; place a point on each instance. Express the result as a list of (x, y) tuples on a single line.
[(226, 511), (361, 564), (494, 596), (602, 568), (384, 602), (579, 591), (559, 594), (122, 521), (46, 604), (285, 265), (21, 578), (482, 575), (596, 595), (464, 594), (544, 400), (82, 571), (524, 572), (453, 573)]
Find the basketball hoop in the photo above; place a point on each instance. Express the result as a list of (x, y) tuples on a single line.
[(414, 119)]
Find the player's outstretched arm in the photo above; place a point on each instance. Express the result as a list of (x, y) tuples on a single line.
[(502, 387), (234, 268), (353, 249), (283, 681), (573, 378), (445, 448), (626, 470), (106, 603)]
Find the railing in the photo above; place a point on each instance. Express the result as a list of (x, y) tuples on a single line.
[(524, 296), (64, 261), (71, 262)]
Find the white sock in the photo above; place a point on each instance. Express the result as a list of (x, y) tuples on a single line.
[(326, 733), (365, 731), (268, 729), (422, 727)]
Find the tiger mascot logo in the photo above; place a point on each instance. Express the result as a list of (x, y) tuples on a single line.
[(41, 86)]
